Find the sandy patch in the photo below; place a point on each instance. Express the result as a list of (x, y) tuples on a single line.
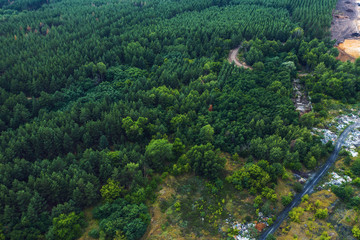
[(349, 49)]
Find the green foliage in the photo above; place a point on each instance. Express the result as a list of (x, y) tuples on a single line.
[(206, 134), (298, 187), (78, 79), (111, 191), (94, 233), (295, 214), (270, 237), (356, 232), (66, 227), (321, 213), (178, 147), (205, 161), (248, 218), (269, 194), (251, 176), (286, 200), (158, 152), (325, 236), (270, 221), (177, 206), (355, 167), (134, 129), (347, 160), (305, 198), (356, 181), (253, 56), (343, 192), (120, 216)]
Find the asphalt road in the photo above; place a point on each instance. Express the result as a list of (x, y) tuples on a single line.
[(308, 188)]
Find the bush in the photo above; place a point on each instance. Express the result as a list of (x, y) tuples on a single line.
[(266, 209), (295, 214), (94, 233), (356, 182), (305, 198), (298, 187), (286, 200), (164, 205), (343, 192), (347, 160), (270, 237), (354, 202), (355, 168), (122, 217), (321, 213), (270, 221), (325, 236), (356, 232), (248, 218)]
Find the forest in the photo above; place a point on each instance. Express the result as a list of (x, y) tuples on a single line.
[(102, 100)]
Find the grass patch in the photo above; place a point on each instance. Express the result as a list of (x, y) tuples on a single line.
[(92, 224)]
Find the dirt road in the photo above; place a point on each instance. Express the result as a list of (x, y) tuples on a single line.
[(233, 59)]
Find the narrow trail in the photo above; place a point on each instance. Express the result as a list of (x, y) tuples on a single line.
[(308, 188), (233, 59)]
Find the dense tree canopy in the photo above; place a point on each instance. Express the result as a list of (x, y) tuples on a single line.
[(97, 99)]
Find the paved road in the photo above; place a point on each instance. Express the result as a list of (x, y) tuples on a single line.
[(233, 58), (308, 188)]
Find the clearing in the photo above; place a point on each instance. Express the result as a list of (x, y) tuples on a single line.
[(234, 59)]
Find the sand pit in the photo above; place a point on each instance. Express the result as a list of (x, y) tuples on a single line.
[(349, 49)]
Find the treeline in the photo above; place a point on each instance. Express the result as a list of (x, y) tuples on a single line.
[(313, 16)]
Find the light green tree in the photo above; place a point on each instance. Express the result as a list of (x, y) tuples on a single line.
[(158, 153), (111, 191)]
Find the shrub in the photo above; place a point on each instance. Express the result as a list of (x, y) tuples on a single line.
[(270, 221), (298, 187), (321, 213), (347, 160), (343, 192), (355, 201), (177, 206), (270, 237), (325, 236), (286, 200), (266, 209), (355, 168), (305, 198), (94, 233), (356, 182), (295, 214), (248, 218), (356, 232)]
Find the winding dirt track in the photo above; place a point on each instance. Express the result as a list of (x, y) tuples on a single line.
[(308, 188), (233, 58)]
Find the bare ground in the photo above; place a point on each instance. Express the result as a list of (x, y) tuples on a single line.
[(234, 59), (343, 56), (344, 22)]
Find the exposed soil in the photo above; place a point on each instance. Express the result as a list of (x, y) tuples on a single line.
[(349, 50), (344, 22), (301, 100), (234, 59), (345, 29)]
